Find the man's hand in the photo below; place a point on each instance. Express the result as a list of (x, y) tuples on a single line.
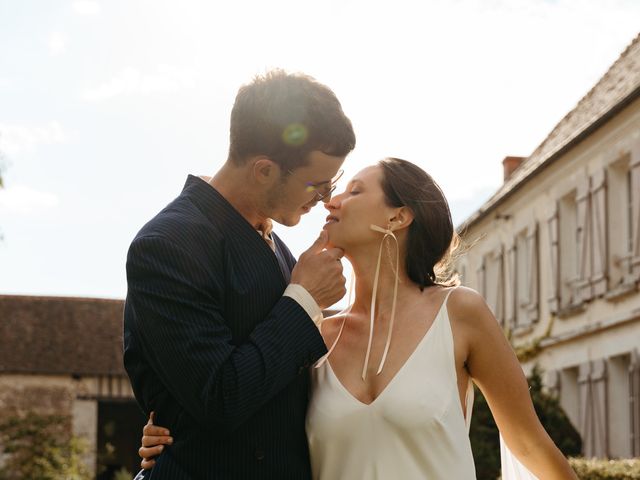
[(154, 438), (319, 271)]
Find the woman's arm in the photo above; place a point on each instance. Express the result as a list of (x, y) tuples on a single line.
[(494, 367)]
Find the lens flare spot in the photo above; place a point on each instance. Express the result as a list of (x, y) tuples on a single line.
[(295, 134)]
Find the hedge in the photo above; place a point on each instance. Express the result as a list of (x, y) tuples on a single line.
[(593, 469)]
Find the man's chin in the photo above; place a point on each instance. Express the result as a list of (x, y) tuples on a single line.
[(289, 221)]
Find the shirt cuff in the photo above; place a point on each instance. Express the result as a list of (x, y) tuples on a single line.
[(303, 297)]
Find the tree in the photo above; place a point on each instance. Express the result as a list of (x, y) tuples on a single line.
[(41, 447)]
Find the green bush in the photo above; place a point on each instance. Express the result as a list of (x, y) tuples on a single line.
[(123, 474), (593, 469), (485, 440), (41, 447)]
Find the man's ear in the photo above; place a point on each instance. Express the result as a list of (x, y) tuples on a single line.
[(265, 170)]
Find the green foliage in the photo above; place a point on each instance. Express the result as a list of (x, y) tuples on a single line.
[(606, 469), (40, 447), (485, 440), (123, 474)]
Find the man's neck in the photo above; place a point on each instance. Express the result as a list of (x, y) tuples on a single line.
[(234, 185)]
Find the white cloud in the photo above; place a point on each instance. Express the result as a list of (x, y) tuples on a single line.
[(57, 43), (131, 81), (17, 139), (22, 199), (87, 8)]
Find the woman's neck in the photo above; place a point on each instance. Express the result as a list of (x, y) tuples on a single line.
[(364, 268)]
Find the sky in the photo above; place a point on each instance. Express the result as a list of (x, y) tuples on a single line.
[(106, 107)]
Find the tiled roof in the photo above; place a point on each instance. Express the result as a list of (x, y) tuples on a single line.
[(60, 335), (613, 91)]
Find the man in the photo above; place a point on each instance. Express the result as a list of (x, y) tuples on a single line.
[(218, 321)]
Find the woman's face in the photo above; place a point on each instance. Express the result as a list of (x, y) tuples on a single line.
[(353, 211)]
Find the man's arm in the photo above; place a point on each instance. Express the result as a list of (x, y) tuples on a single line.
[(177, 316)]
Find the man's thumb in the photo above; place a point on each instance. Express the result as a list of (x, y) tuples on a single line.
[(320, 242)]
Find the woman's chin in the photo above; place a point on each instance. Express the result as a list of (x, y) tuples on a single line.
[(331, 243)]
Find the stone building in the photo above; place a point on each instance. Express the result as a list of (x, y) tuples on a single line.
[(64, 356), (556, 253)]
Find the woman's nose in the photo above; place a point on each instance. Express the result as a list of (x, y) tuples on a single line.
[(333, 203)]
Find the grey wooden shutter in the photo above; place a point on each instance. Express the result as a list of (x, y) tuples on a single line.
[(554, 252), (600, 408), (552, 383), (592, 390), (510, 285), (634, 402), (584, 407), (532, 273), (480, 276), (582, 288), (635, 210), (493, 283), (599, 271), (498, 257)]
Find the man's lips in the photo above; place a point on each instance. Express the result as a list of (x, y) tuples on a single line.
[(331, 218)]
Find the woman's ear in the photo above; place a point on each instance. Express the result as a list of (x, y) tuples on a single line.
[(402, 218)]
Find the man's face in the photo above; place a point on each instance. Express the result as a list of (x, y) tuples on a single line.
[(298, 192)]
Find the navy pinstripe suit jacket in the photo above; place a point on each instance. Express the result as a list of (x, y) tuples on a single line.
[(213, 347)]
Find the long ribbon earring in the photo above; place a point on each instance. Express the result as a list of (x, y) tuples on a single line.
[(387, 233)]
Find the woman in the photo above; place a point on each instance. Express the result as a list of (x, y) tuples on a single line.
[(392, 399)]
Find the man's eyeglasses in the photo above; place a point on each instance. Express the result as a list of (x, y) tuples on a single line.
[(323, 190)]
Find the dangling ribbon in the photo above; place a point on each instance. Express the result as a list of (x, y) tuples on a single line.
[(325, 358), (387, 233)]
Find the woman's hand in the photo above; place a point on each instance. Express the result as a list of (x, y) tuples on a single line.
[(154, 438)]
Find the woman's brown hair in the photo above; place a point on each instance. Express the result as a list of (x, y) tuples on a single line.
[(432, 239)]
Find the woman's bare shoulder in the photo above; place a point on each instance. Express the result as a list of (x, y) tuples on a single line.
[(465, 297), (466, 306)]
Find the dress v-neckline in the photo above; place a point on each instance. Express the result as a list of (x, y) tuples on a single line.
[(423, 340)]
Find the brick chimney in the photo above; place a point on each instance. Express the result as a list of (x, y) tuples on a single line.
[(510, 164)]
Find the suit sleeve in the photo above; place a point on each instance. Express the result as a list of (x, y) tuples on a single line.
[(176, 307)]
